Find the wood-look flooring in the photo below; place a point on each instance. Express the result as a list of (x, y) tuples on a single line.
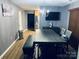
[(16, 51)]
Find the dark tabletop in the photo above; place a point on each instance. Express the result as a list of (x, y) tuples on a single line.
[(44, 36)]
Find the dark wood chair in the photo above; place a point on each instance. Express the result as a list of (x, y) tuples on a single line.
[(73, 42), (71, 49)]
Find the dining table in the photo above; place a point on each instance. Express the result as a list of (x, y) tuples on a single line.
[(44, 44)]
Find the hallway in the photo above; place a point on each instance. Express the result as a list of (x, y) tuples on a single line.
[(16, 51), (14, 18)]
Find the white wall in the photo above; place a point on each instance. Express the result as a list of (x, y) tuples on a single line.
[(8, 27), (26, 20), (22, 20), (74, 5)]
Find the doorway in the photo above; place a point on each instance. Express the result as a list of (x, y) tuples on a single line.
[(74, 22), (31, 21)]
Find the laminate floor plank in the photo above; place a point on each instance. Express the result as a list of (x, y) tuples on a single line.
[(15, 52)]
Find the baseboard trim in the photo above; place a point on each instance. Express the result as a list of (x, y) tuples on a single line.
[(0, 57), (24, 30), (7, 49)]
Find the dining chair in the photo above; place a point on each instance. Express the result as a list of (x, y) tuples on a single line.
[(68, 33), (71, 49), (62, 32), (73, 46)]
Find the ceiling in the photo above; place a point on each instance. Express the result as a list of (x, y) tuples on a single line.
[(31, 4)]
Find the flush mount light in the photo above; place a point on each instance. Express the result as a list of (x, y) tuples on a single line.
[(48, 11)]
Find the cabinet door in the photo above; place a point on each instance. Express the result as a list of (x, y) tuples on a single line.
[(51, 51), (61, 48), (48, 51)]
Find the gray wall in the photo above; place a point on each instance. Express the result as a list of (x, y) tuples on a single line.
[(8, 28), (63, 22)]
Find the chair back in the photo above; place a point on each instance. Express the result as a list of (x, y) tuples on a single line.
[(62, 31), (73, 41), (68, 33)]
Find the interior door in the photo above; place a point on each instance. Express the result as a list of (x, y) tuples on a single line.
[(31, 21), (74, 22)]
